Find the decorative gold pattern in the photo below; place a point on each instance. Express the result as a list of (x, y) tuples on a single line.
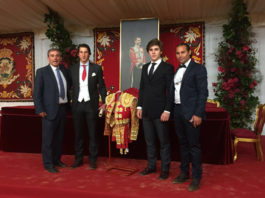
[(7, 69), (19, 45), (121, 121)]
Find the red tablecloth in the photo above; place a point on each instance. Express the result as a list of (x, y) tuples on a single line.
[(21, 132)]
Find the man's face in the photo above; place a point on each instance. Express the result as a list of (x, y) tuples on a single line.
[(138, 41), (154, 53), (182, 54), (54, 58), (83, 54)]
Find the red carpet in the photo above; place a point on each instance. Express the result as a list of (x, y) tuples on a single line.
[(22, 175)]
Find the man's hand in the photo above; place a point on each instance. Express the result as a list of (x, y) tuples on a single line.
[(165, 116), (196, 120), (42, 114), (139, 113)]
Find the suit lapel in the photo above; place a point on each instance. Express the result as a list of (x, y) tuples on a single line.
[(76, 74), (188, 70), (158, 70), (147, 65), (90, 72)]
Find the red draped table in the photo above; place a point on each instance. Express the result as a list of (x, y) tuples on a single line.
[(21, 132)]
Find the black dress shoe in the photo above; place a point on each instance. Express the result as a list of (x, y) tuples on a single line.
[(92, 165), (52, 170), (194, 185), (60, 164), (147, 171), (163, 175), (181, 178), (76, 164)]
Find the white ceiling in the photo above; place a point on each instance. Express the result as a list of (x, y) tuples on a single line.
[(28, 15)]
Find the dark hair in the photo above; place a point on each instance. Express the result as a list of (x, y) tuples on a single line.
[(186, 45), (83, 45), (153, 42), (53, 49)]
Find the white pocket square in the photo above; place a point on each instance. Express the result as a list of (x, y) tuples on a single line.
[(93, 74)]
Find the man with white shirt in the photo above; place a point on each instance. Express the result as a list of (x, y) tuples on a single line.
[(189, 94), (154, 108), (87, 81), (50, 99)]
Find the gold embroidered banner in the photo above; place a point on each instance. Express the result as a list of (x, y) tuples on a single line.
[(16, 67), (190, 33), (107, 54)]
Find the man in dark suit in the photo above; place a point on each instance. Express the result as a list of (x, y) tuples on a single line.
[(189, 94), (50, 100), (154, 107), (87, 82)]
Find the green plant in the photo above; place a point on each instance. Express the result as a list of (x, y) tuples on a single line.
[(236, 79), (60, 37)]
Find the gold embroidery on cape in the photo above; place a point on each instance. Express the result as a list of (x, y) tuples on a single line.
[(121, 120)]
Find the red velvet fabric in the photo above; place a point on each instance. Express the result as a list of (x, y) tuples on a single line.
[(133, 91), (244, 133), (21, 132), (211, 105)]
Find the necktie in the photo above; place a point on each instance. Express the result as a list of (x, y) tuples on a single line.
[(84, 73), (151, 72), (62, 93)]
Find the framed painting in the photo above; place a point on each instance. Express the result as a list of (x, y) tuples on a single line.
[(134, 36)]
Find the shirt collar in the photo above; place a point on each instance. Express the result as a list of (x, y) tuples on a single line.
[(54, 68), (157, 61), (187, 63), (86, 64)]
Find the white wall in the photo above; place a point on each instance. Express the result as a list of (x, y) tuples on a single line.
[(213, 35)]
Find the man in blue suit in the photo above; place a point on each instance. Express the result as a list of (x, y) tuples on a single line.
[(189, 94), (50, 100)]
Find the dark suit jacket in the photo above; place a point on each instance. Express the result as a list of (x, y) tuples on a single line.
[(96, 85), (46, 92), (193, 91), (153, 94)]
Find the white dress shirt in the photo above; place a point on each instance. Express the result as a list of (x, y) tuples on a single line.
[(178, 80), (83, 85), (61, 101)]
